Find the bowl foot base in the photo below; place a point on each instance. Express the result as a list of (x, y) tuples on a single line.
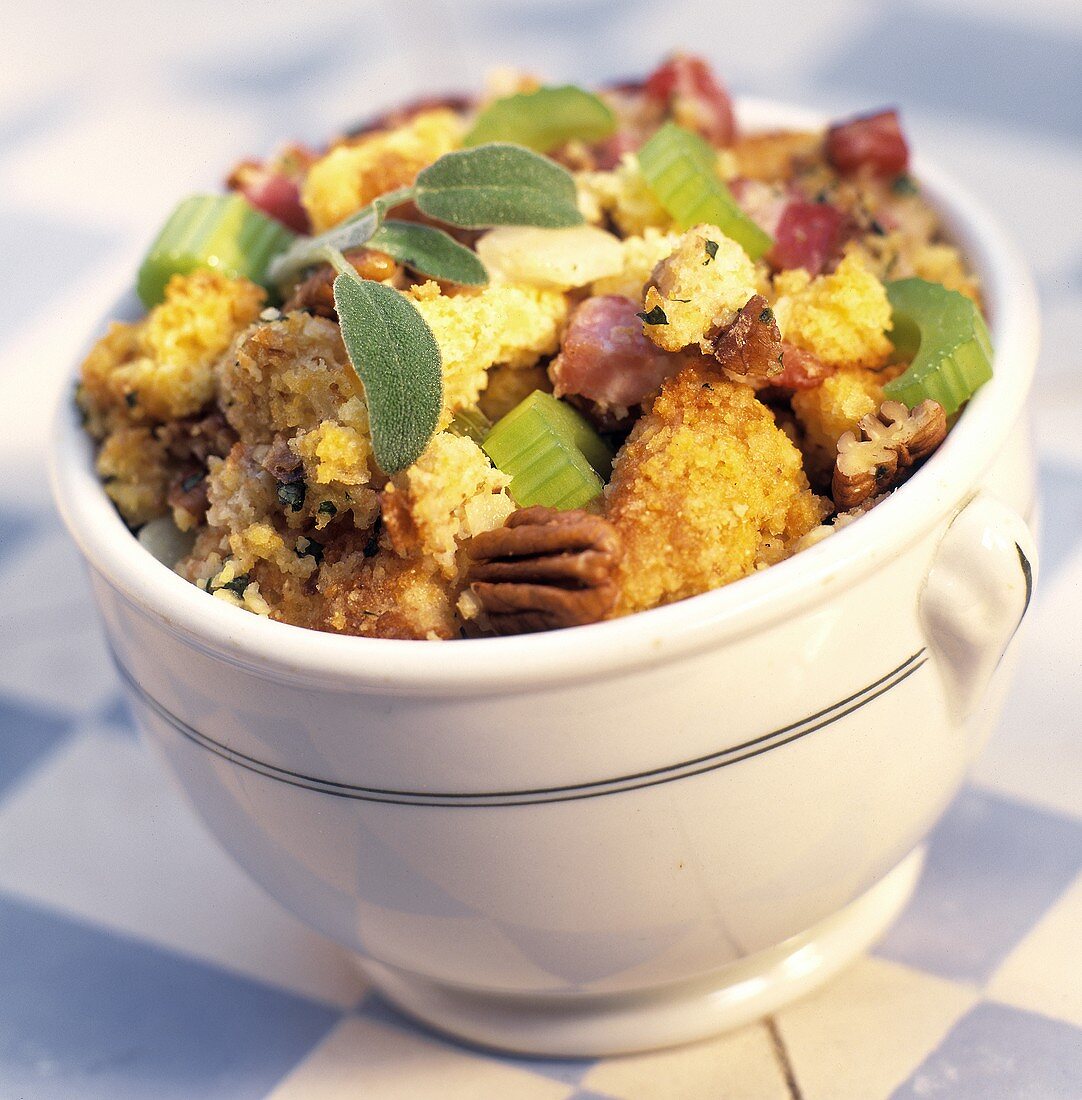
[(585, 1025)]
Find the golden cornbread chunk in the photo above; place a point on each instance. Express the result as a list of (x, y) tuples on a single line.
[(350, 176), (288, 382), (507, 386), (641, 255), (132, 465), (623, 196), (380, 596), (478, 329), (705, 488), (842, 318), (451, 493), (832, 408), (162, 368), (700, 286)]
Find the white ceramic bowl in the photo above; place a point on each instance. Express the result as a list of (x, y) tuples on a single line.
[(623, 835)]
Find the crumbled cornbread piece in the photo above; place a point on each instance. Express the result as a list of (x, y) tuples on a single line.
[(351, 176), (773, 156), (641, 255), (704, 480), (834, 407), (288, 375), (622, 195), (162, 367), (507, 386), (699, 287), (288, 381), (378, 595), (841, 318), (451, 493), (475, 330), (133, 467)]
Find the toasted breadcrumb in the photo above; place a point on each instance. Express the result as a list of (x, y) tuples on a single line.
[(451, 493), (641, 255), (162, 368), (475, 330), (700, 286), (350, 176), (705, 480), (842, 318)]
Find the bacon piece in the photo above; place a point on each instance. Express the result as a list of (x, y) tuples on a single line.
[(807, 235), (606, 358), (694, 97), (800, 370), (750, 346), (875, 141), (274, 186)]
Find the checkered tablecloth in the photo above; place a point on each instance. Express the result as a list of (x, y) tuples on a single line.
[(135, 959)]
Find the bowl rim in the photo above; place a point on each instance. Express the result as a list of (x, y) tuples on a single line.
[(345, 662)]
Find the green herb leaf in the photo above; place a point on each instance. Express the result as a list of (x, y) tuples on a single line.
[(497, 184), (291, 494), (352, 233), (711, 251), (544, 119), (397, 362), (655, 316), (430, 251)]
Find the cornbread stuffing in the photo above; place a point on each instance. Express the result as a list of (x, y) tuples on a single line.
[(577, 374)]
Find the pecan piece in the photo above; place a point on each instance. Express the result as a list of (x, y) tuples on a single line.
[(544, 570), (315, 294), (751, 346), (891, 441)]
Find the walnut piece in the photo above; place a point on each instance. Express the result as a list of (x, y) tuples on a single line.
[(544, 570), (750, 347), (315, 294), (891, 441)]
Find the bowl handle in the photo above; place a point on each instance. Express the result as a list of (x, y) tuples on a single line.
[(975, 595)]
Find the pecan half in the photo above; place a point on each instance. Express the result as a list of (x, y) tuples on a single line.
[(891, 441), (315, 294), (750, 346), (545, 569)]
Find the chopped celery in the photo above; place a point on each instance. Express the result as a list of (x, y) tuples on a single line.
[(471, 423), (543, 119), (681, 170), (553, 455), (222, 232), (944, 335)]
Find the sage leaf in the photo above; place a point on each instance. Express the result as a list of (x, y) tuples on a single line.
[(396, 361), (497, 184), (352, 233), (429, 251), (544, 119)]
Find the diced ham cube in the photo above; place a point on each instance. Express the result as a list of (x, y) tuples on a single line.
[(807, 235), (694, 97), (872, 141), (606, 357)]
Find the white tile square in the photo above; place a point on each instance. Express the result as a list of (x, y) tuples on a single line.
[(101, 832), (364, 1058), (1044, 972), (864, 1034), (741, 1065)]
